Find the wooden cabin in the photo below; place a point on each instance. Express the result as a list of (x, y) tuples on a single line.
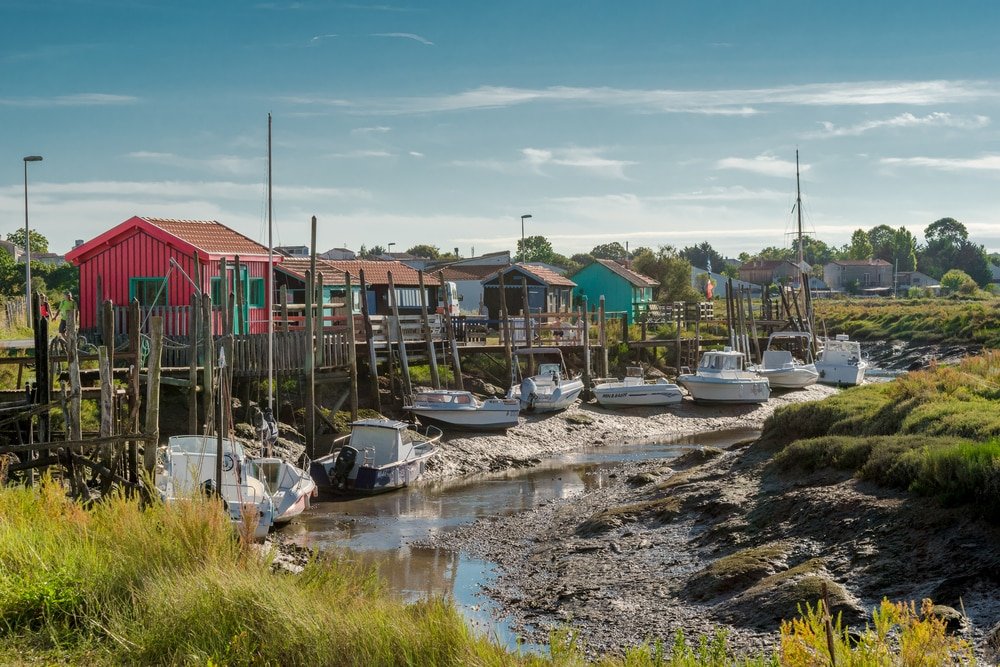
[(548, 292), (133, 261), (623, 289), (404, 278)]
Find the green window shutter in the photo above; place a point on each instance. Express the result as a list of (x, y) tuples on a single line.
[(258, 296), (216, 291), (148, 291)]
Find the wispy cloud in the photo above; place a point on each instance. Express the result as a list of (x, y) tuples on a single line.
[(378, 129), (903, 121), (405, 35), (78, 100), (736, 102), (766, 165), (362, 154), (982, 163), (416, 154), (140, 190), (224, 164), (589, 159), (318, 39)]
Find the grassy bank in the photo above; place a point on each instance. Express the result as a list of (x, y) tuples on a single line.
[(935, 432), (917, 320), (123, 584)]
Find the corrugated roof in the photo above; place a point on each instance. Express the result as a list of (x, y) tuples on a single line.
[(633, 277), (210, 236)]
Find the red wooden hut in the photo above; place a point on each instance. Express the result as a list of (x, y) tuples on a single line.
[(133, 261)]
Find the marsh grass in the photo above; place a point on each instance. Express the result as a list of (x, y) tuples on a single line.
[(918, 320), (934, 432)]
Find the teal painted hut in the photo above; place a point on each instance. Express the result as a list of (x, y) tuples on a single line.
[(624, 290)]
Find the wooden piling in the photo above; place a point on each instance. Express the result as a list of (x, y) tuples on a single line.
[(603, 333), (404, 362), (584, 318), (370, 343), (192, 392), (352, 347), (679, 321), (428, 337), (283, 300), (152, 430), (505, 330), (238, 287), (133, 388), (108, 326), (449, 328), (526, 316), (753, 328), (207, 364), (310, 368)]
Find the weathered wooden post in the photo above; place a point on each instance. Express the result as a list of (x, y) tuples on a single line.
[(320, 320), (449, 328), (603, 337), (283, 300), (108, 327), (585, 320), (207, 364), (108, 453), (370, 343), (310, 368), (238, 287), (152, 430), (352, 346), (428, 337), (508, 352), (133, 389), (526, 312), (192, 390), (404, 362), (679, 319)]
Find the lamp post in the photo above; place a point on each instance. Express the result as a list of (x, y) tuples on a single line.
[(388, 250), (27, 239), (524, 250)]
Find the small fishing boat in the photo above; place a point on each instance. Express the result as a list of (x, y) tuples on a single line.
[(840, 363), (787, 362), (633, 391), (291, 488), (552, 389), (462, 409), (189, 467), (721, 378), (378, 455)]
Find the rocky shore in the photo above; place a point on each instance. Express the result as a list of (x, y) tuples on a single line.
[(717, 539)]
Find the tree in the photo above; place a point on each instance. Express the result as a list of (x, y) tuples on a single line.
[(958, 282), (424, 250), (534, 249), (946, 229), (702, 255), (882, 239), (904, 250), (671, 270), (376, 251), (39, 243), (613, 251), (582, 258), (564, 262), (948, 247), (861, 247)]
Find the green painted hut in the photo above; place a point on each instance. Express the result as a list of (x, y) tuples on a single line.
[(624, 290)]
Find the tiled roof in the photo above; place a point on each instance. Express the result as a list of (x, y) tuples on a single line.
[(633, 277), (299, 265), (542, 274), (377, 272), (461, 272), (210, 236), (764, 264)]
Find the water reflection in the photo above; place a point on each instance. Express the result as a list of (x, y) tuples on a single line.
[(380, 530)]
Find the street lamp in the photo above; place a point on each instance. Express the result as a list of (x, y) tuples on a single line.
[(27, 238), (524, 250), (389, 249)]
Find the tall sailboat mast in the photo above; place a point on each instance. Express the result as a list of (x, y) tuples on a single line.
[(270, 280), (798, 203)]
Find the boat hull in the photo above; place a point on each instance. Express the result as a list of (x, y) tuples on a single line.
[(618, 395), (841, 375), (472, 419), (560, 399), (798, 377), (369, 480), (710, 390)]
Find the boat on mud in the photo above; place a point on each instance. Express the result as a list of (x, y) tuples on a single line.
[(634, 391), (552, 389), (378, 455), (787, 361), (462, 409), (839, 362), (722, 378)]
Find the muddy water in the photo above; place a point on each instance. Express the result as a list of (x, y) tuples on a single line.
[(382, 530)]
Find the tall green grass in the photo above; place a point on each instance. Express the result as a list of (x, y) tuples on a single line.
[(934, 432), (937, 320)]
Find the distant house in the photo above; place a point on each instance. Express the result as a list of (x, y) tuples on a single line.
[(15, 250), (623, 289), (494, 259), (338, 253), (547, 290), (291, 275), (292, 250), (133, 261), (907, 279), (866, 274), (721, 282), (404, 278), (994, 273), (468, 281), (772, 272)]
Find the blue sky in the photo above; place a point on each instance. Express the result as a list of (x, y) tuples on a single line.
[(443, 122)]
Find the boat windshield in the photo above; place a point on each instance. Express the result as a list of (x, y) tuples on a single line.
[(547, 369), (720, 362)]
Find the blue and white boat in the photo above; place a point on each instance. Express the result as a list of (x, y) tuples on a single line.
[(721, 378)]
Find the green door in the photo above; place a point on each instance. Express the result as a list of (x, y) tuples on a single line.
[(244, 288)]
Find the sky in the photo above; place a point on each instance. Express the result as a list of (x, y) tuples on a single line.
[(443, 123)]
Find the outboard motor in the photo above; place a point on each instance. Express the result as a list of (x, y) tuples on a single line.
[(343, 466), (528, 393)]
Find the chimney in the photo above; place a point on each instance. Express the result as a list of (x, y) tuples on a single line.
[(77, 243)]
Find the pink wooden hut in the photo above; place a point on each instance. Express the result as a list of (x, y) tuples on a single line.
[(133, 261)]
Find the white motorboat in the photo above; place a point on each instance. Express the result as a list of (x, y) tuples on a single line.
[(551, 389), (721, 378), (378, 455), (633, 391), (840, 363), (461, 408), (291, 488), (189, 467), (787, 362)]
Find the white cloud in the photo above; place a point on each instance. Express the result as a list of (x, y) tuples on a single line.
[(766, 165), (223, 164), (362, 154), (405, 35), (982, 163), (377, 129), (904, 120), (317, 39), (78, 100), (740, 102), (588, 159), (416, 154)]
